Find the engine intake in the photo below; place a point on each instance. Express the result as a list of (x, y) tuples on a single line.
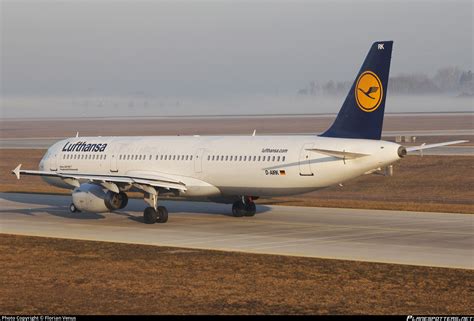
[(115, 201)]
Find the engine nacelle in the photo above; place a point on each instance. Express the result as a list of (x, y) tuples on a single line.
[(94, 198)]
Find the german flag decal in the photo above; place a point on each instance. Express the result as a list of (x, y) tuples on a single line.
[(282, 172)]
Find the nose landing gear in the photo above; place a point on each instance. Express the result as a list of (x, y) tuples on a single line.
[(73, 208)]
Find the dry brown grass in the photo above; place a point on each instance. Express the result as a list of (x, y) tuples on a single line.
[(60, 276), (429, 183), (30, 158)]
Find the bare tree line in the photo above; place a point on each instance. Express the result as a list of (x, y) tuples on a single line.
[(446, 80)]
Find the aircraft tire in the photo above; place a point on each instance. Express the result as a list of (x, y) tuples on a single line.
[(150, 215), (238, 209), (250, 209), (73, 208), (162, 214)]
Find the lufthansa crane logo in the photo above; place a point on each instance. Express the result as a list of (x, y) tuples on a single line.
[(368, 91)]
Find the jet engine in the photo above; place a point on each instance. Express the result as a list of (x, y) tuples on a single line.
[(94, 198)]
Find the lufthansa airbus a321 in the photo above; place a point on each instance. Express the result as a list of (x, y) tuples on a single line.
[(236, 170)]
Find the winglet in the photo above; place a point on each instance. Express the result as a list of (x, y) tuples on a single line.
[(16, 171)]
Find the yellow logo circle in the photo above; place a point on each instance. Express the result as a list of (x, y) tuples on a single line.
[(368, 91)]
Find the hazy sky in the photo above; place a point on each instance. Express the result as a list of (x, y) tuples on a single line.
[(218, 48)]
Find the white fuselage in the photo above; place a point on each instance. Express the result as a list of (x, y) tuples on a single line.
[(220, 167)]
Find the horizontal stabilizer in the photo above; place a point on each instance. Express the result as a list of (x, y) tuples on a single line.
[(425, 146), (338, 153)]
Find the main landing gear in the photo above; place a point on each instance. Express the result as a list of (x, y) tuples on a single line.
[(154, 214), (151, 216), (244, 207)]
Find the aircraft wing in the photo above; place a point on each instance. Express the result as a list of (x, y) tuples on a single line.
[(425, 146), (141, 181)]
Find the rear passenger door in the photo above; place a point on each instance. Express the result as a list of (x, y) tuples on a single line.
[(305, 160)]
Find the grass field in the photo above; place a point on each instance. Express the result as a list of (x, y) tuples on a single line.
[(59, 276), (429, 183)]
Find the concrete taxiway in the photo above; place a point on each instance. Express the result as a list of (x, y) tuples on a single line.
[(430, 239)]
